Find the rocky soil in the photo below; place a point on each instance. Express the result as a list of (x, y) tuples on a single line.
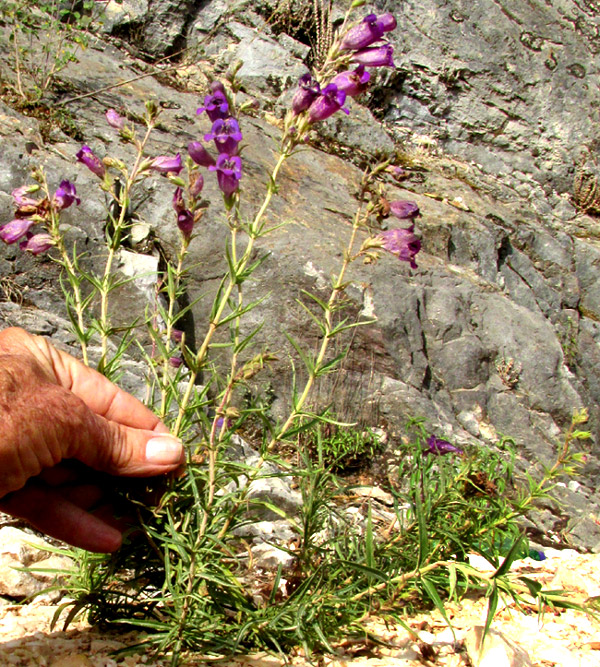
[(519, 638)]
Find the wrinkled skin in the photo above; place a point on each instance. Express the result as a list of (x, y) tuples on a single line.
[(66, 434)]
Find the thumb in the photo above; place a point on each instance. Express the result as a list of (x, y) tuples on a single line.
[(123, 450)]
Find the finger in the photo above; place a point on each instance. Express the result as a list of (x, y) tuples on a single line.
[(48, 423), (50, 513), (85, 496), (101, 395), (124, 451)]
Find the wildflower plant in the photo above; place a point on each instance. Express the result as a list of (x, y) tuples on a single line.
[(45, 37), (183, 573)]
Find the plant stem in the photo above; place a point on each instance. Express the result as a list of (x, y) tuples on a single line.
[(115, 241), (172, 292), (253, 233), (68, 265)]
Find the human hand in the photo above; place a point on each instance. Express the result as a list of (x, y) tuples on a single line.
[(54, 410)]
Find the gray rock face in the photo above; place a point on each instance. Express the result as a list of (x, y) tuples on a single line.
[(501, 84), (496, 333)]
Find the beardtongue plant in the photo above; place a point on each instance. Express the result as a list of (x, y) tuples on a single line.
[(185, 576)]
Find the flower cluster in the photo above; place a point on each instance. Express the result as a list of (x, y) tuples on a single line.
[(226, 135), (30, 212), (162, 164), (188, 214), (356, 46), (402, 242)]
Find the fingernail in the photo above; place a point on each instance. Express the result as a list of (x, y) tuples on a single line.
[(163, 450)]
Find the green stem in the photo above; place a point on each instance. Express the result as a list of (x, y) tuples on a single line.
[(214, 324), (68, 265), (172, 291), (105, 285)]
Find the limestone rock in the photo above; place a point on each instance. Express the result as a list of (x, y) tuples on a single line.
[(74, 660), (18, 550), (498, 650)]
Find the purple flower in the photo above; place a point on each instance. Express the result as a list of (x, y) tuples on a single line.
[(185, 222), (15, 229), (37, 243), (226, 134), (404, 209), (178, 203), (438, 447), (378, 56), (308, 90), (200, 155), (197, 186), (223, 423), (176, 335), (387, 21), (352, 82), (397, 172), (165, 164), (114, 119), (65, 195), (175, 362), (402, 243), (215, 105), (93, 163), (327, 103), (229, 172), (364, 34), (18, 195)]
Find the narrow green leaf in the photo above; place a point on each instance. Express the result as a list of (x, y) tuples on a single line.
[(534, 586), (422, 527), (365, 569), (491, 612), (511, 556), (308, 363), (322, 305), (434, 596), (369, 544)]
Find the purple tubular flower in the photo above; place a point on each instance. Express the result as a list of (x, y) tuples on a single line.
[(397, 172), (387, 22), (377, 56), (65, 195), (178, 203), (402, 243), (229, 173), (226, 134), (200, 155), (364, 34), (36, 244), (404, 209), (15, 229), (352, 82), (114, 119), (185, 222), (175, 362), (308, 90), (165, 164), (197, 186), (18, 195), (438, 447), (223, 423), (93, 163), (215, 105), (177, 335), (327, 103)]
